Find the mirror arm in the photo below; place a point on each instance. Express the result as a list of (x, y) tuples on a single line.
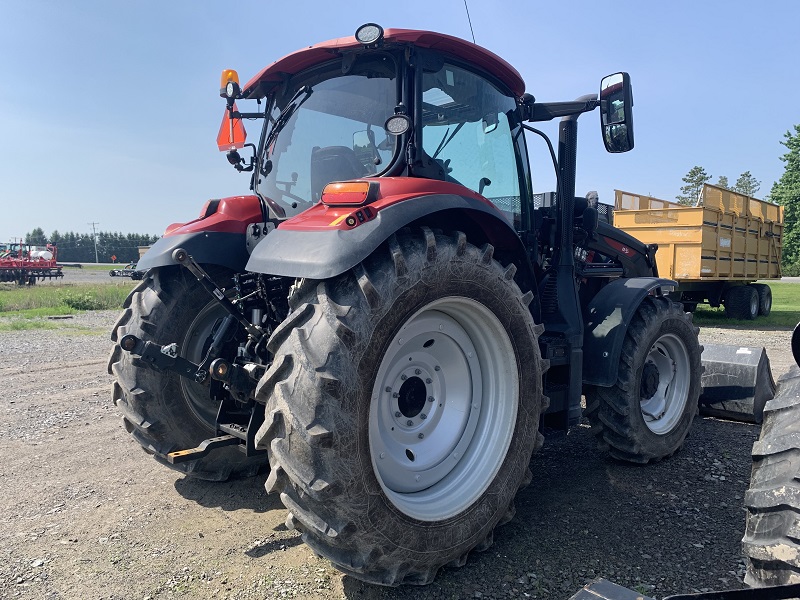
[(547, 111), (235, 114)]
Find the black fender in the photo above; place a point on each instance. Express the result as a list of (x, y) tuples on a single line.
[(606, 320), (328, 253), (206, 247)]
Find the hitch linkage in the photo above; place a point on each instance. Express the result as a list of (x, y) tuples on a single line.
[(238, 418)]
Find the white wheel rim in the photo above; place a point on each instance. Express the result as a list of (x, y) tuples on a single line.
[(443, 408), (663, 398)]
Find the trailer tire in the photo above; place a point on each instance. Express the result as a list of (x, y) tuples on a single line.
[(741, 302), (764, 298), (388, 493), (161, 410), (772, 502), (642, 418)]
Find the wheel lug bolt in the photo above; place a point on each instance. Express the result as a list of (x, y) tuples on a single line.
[(417, 371), (409, 422), (430, 399), (429, 380), (395, 395), (423, 416), (398, 414), (437, 368), (421, 435), (403, 377), (388, 389)]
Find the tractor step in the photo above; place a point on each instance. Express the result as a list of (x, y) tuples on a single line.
[(182, 456)]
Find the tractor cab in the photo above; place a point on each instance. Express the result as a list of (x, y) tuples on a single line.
[(387, 105)]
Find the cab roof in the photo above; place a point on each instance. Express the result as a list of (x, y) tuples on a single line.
[(319, 53)]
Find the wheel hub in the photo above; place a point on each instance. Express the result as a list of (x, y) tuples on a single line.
[(664, 387), (649, 381), (412, 397)]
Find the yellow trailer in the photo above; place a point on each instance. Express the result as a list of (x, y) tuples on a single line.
[(715, 250)]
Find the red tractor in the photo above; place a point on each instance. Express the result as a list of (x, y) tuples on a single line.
[(392, 319)]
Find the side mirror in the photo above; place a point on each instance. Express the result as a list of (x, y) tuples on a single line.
[(365, 149), (616, 112)]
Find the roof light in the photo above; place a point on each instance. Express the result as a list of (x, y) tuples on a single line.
[(353, 193), (229, 84), (369, 34)]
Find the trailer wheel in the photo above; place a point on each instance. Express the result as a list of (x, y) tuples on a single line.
[(161, 410), (403, 407), (741, 302), (764, 298), (647, 414), (770, 541)]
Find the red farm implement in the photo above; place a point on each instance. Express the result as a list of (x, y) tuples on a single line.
[(25, 263)]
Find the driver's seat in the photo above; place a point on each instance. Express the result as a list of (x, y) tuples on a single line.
[(333, 163)]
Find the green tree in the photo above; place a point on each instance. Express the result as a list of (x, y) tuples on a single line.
[(747, 185), (786, 192), (722, 182), (36, 237), (694, 181)]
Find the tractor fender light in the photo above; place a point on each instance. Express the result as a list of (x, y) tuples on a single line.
[(351, 193)]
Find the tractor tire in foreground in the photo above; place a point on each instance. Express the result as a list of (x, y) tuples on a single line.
[(161, 410), (403, 407), (772, 533), (647, 414)]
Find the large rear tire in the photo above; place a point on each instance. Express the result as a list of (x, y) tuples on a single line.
[(403, 407), (772, 530), (161, 410), (648, 413)]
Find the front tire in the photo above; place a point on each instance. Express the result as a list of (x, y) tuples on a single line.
[(161, 410), (647, 414), (403, 406)]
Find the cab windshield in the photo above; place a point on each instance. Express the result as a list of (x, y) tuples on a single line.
[(327, 127)]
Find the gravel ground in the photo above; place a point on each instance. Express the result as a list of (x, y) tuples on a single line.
[(86, 514)]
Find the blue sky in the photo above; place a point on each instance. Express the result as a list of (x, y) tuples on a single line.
[(109, 110)]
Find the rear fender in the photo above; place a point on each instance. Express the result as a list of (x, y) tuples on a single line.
[(218, 237), (607, 318), (323, 253)]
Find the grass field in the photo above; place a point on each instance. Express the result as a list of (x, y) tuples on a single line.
[(785, 311), (34, 302)]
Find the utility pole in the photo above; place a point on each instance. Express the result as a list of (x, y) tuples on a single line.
[(94, 237)]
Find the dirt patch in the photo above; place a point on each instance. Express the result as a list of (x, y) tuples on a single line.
[(86, 514)]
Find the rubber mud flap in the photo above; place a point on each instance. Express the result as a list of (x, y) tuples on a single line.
[(737, 382)]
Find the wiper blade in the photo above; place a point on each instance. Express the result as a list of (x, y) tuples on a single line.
[(286, 114)]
